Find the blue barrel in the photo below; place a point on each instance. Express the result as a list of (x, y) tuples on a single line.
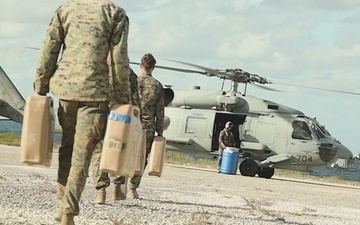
[(229, 161)]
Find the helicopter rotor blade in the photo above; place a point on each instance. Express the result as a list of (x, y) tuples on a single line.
[(174, 69), (235, 75), (33, 48), (317, 88), (266, 88)]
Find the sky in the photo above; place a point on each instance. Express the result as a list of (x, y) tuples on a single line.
[(312, 43)]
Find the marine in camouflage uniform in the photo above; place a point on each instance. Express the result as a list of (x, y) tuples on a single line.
[(152, 107), (226, 139), (101, 179), (87, 31)]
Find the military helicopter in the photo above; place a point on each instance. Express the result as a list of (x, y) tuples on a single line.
[(265, 131), (269, 135)]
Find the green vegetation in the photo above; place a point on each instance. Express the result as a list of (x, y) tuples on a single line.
[(13, 139), (10, 139), (197, 159), (203, 160)]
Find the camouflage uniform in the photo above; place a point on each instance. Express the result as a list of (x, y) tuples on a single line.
[(152, 107), (87, 31), (101, 179), (226, 139)]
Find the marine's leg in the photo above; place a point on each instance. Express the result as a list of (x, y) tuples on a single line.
[(90, 127), (67, 114), (117, 192), (219, 159), (101, 179)]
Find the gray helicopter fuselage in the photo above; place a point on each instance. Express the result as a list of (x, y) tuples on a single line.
[(263, 129)]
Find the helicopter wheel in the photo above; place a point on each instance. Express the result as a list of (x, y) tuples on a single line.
[(248, 168), (266, 172)]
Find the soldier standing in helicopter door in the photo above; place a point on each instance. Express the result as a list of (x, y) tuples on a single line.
[(226, 139)]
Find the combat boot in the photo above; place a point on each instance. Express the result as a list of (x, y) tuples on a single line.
[(59, 214), (101, 196), (117, 194), (133, 193), (67, 219)]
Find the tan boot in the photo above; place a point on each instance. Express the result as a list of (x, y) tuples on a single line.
[(59, 214), (132, 194), (101, 196), (117, 194), (67, 219)]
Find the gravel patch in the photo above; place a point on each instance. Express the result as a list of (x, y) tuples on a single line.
[(183, 195)]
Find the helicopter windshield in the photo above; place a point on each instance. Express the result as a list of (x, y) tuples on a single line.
[(301, 130), (319, 129)]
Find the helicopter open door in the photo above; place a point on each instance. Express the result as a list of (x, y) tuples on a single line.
[(219, 123)]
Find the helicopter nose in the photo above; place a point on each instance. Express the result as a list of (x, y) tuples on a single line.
[(327, 152), (342, 151)]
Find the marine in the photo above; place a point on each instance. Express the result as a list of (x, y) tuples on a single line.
[(84, 32), (101, 179)]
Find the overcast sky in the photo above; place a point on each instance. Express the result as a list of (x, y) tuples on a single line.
[(308, 42)]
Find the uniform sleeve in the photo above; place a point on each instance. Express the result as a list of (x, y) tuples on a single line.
[(221, 137), (160, 112), (49, 54), (134, 89), (119, 58)]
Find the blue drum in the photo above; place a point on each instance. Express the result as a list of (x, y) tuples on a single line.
[(229, 161)]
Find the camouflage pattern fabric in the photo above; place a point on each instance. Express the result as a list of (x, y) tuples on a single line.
[(101, 179), (226, 139), (86, 31), (151, 95), (89, 127), (152, 103), (135, 100)]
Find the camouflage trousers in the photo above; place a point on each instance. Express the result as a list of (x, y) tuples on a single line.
[(83, 125), (102, 179)]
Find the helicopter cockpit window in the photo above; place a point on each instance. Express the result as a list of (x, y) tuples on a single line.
[(301, 131)]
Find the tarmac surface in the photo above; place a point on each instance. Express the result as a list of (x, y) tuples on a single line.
[(182, 195)]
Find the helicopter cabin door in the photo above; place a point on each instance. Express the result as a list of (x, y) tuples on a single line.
[(301, 145), (219, 124), (196, 126)]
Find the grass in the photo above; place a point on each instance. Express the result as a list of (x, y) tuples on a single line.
[(10, 139), (203, 160), (13, 139), (197, 160)]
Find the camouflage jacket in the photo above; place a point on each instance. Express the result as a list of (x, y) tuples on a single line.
[(135, 100), (86, 31), (226, 138), (152, 104)]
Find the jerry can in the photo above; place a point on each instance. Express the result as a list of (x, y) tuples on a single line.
[(120, 145), (140, 163), (37, 135), (157, 156)]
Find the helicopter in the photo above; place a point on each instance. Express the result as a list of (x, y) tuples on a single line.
[(264, 131), (269, 135)]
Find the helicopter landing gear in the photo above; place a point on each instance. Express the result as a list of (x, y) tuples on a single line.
[(266, 172), (248, 168)]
